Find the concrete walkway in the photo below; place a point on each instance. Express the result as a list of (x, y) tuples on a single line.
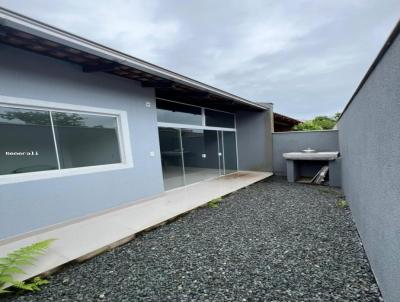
[(85, 238)]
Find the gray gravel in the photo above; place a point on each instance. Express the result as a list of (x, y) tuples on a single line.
[(272, 241)]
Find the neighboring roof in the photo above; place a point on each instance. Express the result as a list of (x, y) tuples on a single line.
[(393, 35), (29, 34), (280, 118), (286, 119)]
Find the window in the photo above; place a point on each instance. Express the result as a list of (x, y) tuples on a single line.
[(170, 112), (219, 119), (86, 139), (26, 141), (38, 140)]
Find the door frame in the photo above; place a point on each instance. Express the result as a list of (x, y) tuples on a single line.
[(220, 142)]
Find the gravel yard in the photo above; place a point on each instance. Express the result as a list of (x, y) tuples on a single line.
[(272, 241)]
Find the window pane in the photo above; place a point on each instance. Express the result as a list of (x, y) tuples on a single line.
[(26, 141), (86, 139), (171, 157), (169, 112), (219, 119), (200, 154)]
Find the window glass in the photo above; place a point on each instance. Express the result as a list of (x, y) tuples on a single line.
[(26, 141), (219, 119), (170, 112), (171, 157), (230, 158), (86, 139)]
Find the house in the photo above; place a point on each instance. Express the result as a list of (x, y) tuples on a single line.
[(85, 128)]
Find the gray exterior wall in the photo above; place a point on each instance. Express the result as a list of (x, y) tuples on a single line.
[(27, 206), (254, 140), (369, 136), (297, 141)]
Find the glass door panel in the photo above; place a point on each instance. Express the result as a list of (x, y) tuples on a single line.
[(193, 155), (171, 157), (211, 162), (200, 153), (229, 151), (220, 154)]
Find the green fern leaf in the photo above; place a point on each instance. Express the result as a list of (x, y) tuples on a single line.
[(6, 278), (10, 265), (13, 270)]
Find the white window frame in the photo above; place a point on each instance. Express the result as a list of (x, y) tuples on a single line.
[(122, 130)]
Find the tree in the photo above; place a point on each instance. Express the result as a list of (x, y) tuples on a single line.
[(318, 123)]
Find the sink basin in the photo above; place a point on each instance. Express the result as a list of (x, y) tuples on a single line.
[(311, 155)]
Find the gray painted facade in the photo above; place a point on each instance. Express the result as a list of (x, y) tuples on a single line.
[(369, 136), (296, 141), (254, 140), (35, 204), (25, 206)]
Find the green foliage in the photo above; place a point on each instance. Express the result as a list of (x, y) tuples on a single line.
[(318, 123), (11, 264), (28, 117), (307, 126), (43, 118), (342, 203), (214, 203)]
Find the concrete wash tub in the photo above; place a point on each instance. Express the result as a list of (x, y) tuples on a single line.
[(298, 162)]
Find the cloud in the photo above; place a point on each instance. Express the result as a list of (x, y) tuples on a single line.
[(305, 56)]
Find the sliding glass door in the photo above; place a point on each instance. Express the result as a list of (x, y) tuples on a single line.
[(193, 155), (171, 157), (196, 143), (229, 151), (200, 154)]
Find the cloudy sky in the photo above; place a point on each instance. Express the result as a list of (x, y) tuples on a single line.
[(307, 57)]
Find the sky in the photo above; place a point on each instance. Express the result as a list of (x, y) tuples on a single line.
[(306, 57)]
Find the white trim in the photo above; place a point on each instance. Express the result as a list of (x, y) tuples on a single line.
[(185, 126), (123, 138), (46, 105), (30, 176), (54, 140)]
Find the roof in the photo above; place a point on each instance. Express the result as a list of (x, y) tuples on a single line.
[(393, 35), (286, 119), (29, 34)]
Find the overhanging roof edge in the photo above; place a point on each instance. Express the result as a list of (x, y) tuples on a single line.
[(14, 20)]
